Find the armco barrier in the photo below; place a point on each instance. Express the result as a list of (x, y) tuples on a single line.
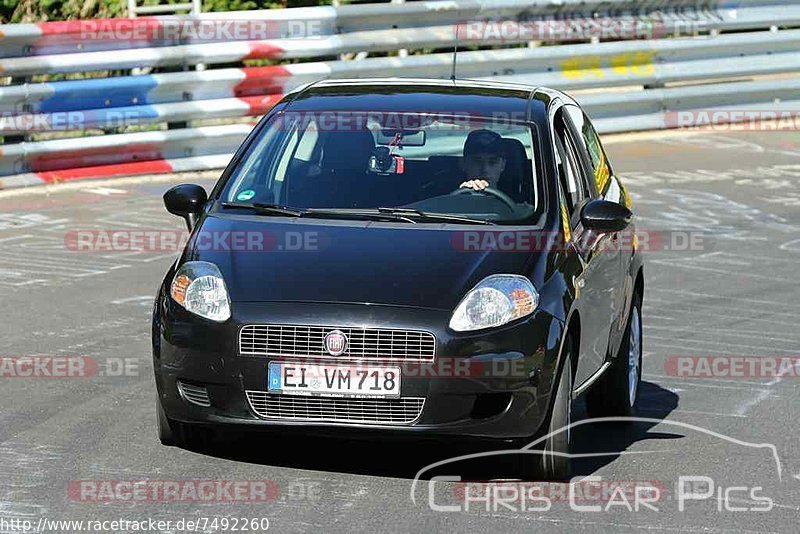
[(713, 42), (211, 53), (579, 66), (70, 36)]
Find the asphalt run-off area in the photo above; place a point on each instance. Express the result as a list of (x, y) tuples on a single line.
[(74, 446)]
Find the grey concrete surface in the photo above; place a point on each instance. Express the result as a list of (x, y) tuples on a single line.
[(738, 295)]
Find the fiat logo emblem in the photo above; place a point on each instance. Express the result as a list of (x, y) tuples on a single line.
[(335, 342)]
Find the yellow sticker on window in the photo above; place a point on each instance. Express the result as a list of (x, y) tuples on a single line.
[(565, 222)]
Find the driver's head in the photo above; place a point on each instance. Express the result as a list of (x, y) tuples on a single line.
[(484, 157)]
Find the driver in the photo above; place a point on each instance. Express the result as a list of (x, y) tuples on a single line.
[(484, 159)]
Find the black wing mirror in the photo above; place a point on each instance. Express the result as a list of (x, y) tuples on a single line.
[(605, 216), (187, 201)]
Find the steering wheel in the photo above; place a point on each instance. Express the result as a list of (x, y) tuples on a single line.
[(507, 200)]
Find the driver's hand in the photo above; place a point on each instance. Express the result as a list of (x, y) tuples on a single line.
[(477, 185)]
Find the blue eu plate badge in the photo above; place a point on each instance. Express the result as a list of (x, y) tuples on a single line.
[(275, 381)]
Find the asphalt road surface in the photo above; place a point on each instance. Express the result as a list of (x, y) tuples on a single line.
[(723, 283)]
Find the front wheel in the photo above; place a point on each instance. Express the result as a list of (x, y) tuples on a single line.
[(616, 392), (553, 462), (176, 434), (167, 434)]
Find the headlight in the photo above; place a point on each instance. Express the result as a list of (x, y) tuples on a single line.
[(198, 286), (496, 300)]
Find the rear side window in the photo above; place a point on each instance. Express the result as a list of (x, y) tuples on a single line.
[(601, 170)]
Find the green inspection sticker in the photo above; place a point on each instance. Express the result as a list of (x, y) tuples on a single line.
[(247, 194)]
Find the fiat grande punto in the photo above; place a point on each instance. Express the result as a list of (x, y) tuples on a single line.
[(405, 257)]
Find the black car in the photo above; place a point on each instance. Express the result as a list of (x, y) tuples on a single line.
[(405, 257)]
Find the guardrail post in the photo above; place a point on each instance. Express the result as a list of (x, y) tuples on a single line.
[(26, 108)]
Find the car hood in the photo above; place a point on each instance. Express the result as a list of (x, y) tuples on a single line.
[(347, 261)]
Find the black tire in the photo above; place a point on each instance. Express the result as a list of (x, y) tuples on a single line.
[(177, 434), (167, 434), (554, 463), (616, 392)]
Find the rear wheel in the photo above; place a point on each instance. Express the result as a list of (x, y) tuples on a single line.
[(616, 392)]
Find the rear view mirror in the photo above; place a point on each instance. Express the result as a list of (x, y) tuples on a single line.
[(605, 216), (407, 137), (187, 201)]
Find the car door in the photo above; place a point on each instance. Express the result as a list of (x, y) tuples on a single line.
[(608, 187), (596, 282)]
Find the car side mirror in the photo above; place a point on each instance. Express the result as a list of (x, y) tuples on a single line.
[(187, 201), (605, 216)]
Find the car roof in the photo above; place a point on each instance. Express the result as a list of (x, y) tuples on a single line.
[(422, 95)]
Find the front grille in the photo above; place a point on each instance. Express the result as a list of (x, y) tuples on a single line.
[(194, 394), (336, 410), (362, 343)]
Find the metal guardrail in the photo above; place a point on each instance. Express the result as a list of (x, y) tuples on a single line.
[(438, 36), (567, 66), (219, 94), (735, 41)]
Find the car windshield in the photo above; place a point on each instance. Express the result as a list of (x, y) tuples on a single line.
[(427, 167)]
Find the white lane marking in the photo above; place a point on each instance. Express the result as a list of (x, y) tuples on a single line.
[(140, 298), (717, 344), (689, 263), (723, 380), (105, 191), (727, 332), (694, 412), (15, 238), (701, 383), (711, 324), (659, 317), (746, 405), (751, 403), (687, 306)]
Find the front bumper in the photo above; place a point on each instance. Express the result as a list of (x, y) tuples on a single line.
[(492, 384)]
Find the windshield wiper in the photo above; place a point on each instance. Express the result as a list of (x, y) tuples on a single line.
[(357, 214), (265, 209), (275, 209), (408, 215), (410, 212)]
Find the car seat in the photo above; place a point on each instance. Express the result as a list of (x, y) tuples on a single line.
[(516, 179), (341, 172)]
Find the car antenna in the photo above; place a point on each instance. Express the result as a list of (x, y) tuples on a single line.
[(455, 54)]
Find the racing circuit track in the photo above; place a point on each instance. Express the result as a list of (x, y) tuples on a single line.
[(735, 294)]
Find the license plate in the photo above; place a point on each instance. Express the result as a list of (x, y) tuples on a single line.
[(289, 378)]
